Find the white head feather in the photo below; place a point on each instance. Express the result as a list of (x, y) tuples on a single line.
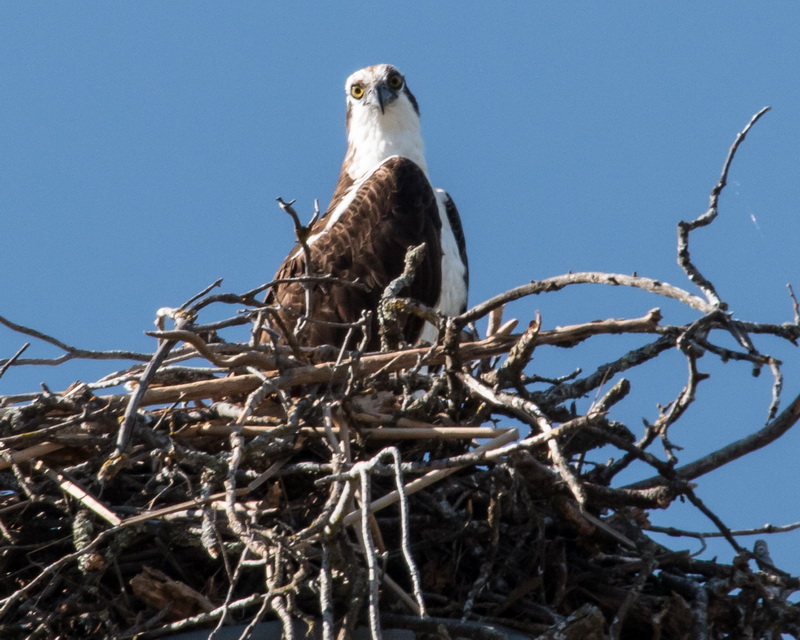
[(382, 120)]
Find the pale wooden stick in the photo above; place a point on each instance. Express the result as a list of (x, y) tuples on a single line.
[(10, 457), (428, 479), (382, 433), (404, 597), (88, 501), (393, 361), (383, 418), (435, 433), (182, 506)]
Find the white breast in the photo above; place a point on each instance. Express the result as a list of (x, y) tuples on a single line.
[(374, 137)]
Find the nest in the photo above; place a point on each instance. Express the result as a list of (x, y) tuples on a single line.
[(442, 490)]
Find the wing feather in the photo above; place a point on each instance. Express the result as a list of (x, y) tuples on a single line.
[(394, 209), (458, 232)]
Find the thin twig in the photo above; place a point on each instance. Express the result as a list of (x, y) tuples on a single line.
[(685, 228), (13, 358)]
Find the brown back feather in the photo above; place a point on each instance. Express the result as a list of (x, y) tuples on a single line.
[(393, 210)]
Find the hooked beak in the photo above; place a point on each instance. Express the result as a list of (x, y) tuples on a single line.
[(380, 96)]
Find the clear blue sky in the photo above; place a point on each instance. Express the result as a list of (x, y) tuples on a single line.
[(142, 146)]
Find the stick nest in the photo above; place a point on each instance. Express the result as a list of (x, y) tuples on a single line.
[(443, 490)]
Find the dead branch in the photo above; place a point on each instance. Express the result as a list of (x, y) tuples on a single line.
[(714, 460), (685, 228)]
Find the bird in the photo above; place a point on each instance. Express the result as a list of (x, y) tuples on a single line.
[(383, 204)]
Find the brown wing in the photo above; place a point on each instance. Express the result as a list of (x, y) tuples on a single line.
[(393, 210)]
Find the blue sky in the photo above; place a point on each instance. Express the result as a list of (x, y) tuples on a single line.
[(142, 146)]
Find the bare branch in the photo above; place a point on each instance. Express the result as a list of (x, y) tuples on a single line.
[(13, 358), (559, 282), (761, 438), (685, 228), (71, 352)]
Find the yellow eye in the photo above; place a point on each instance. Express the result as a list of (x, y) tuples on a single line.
[(395, 81), (357, 91)]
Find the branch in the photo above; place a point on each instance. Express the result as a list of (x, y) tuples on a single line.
[(303, 233), (71, 352), (559, 282), (13, 358), (685, 228), (761, 438), (388, 319), (388, 362)]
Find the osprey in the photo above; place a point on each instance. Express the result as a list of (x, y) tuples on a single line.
[(383, 204)]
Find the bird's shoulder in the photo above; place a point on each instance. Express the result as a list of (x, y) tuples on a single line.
[(389, 173), (380, 215)]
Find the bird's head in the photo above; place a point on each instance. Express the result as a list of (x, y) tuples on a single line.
[(382, 118), (379, 88)]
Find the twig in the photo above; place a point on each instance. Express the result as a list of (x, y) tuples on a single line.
[(124, 433), (13, 358), (428, 479), (204, 618), (303, 232), (71, 352), (519, 356), (559, 282), (68, 486), (405, 544), (761, 438), (200, 294), (619, 619), (724, 530), (369, 553), (758, 531), (533, 415), (685, 228), (559, 393), (10, 457), (388, 320), (795, 304), (393, 361)]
